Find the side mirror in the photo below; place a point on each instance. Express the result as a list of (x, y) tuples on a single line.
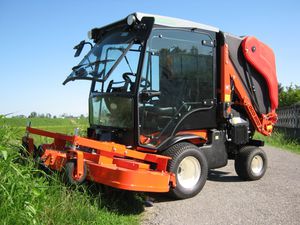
[(147, 95), (79, 47)]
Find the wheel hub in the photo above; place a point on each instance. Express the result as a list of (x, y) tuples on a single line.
[(188, 172), (257, 164)]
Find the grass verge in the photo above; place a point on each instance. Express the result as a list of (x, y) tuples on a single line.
[(30, 196), (279, 140)]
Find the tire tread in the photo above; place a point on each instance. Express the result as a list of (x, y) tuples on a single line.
[(175, 152), (242, 162)]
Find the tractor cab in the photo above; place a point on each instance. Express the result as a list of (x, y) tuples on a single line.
[(153, 78)]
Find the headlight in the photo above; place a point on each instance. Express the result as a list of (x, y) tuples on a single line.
[(131, 19), (89, 34)]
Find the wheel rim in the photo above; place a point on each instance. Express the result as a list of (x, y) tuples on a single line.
[(188, 172), (257, 164)]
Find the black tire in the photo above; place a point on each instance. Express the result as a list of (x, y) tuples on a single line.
[(38, 152), (190, 153), (251, 155), (70, 169)]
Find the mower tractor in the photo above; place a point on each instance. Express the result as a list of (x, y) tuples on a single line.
[(170, 99)]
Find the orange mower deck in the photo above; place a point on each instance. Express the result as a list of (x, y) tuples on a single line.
[(105, 162)]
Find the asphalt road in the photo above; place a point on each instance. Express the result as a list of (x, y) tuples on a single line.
[(225, 199)]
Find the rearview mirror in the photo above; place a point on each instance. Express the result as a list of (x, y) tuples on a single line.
[(79, 47)]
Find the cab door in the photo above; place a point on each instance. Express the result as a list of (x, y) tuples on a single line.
[(177, 88)]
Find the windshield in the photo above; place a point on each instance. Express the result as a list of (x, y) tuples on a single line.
[(112, 66), (105, 57)]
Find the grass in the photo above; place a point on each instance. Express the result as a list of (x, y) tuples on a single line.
[(30, 196), (279, 140)]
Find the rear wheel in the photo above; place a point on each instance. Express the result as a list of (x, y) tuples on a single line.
[(251, 163), (189, 165)]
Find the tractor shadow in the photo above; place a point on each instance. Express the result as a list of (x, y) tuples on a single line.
[(213, 175), (221, 176)]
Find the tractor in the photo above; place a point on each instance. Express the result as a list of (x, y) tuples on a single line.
[(170, 99)]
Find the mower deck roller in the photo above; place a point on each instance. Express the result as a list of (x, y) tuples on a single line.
[(105, 162)]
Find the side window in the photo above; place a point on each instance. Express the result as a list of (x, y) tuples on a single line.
[(185, 65)]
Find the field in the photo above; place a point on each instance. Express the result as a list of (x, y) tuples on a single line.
[(59, 125), (30, 196)]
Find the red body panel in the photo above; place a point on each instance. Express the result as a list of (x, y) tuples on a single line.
[(263, 123), (262, 58)]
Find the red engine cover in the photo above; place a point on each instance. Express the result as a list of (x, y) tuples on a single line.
[(262, 58)]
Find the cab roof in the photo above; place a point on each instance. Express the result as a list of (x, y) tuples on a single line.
[(175, 22), (166, 21)]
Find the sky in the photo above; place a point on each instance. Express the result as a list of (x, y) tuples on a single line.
[(37, 40)]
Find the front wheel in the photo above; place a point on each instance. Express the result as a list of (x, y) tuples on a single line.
[(70, 171), (251, 163), (190, 167)]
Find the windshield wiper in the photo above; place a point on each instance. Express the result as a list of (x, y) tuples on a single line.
[(92, 63), (100, 61)]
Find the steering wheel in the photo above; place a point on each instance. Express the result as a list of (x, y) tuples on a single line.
[(128, 80)]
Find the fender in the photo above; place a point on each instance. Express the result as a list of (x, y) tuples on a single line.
[(179, 138)]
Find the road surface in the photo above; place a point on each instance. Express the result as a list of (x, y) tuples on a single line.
[(225, 199)]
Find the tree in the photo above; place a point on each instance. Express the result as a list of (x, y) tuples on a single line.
[(32, 115), (289, 95)]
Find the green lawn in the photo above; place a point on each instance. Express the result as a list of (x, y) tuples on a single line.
[(29, 196)]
